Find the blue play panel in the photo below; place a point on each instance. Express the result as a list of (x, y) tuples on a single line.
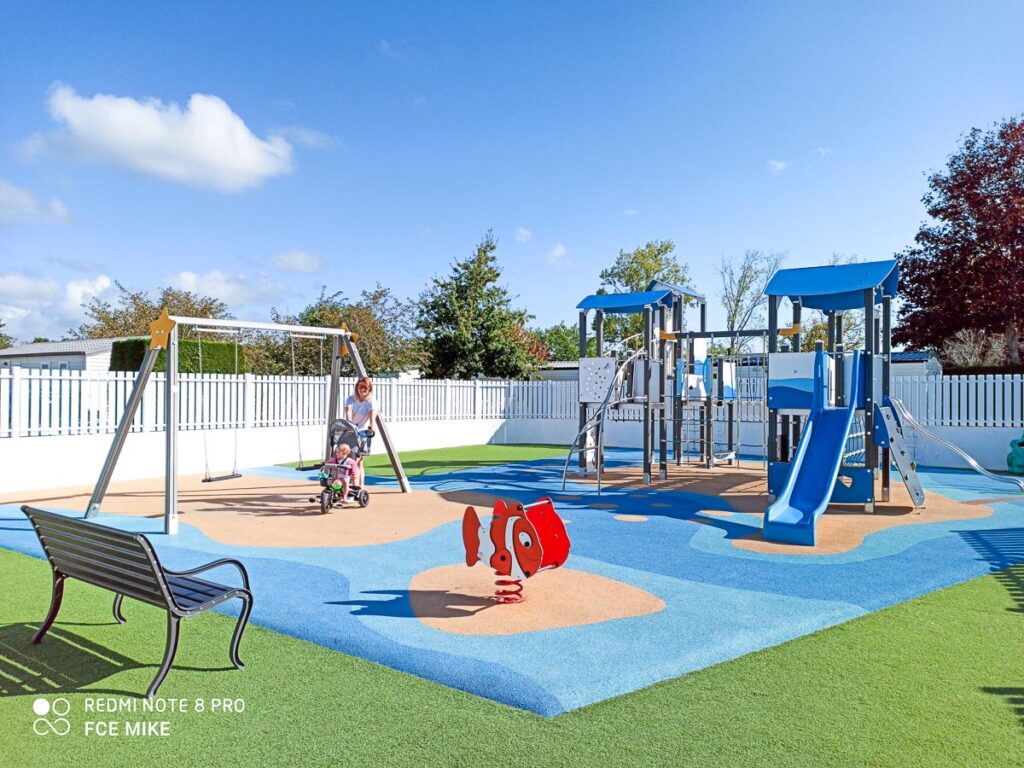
[(720, 602)]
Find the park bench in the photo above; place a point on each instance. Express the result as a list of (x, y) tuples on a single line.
[(126, 564)]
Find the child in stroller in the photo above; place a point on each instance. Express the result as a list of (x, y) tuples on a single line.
[(337, 475)]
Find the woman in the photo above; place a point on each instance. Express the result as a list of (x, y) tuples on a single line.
[(362, 411)]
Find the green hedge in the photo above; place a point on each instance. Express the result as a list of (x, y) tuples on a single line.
[(218, 356)]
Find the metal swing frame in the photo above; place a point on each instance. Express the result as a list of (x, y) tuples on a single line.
[(164, 331)]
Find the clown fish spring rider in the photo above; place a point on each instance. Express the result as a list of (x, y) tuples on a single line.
[(519, 542)]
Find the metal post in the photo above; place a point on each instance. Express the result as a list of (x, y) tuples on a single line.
[(171, 435), (648, 448), (886, 382), (382, 430), (703, 316), (680, 381), (870, 343), (662, 384), (583, 406), (124, 427), (797, 307), (773, 346), (599, 332), (831, 342), (333, 390)]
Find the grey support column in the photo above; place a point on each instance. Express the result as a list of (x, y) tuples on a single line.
[(582, 454), (662, 382), (870, 348), (679, 379), (886, 381), (333, 390), (381, 427), (773, 346), (797, 307), (647, 425), (171, 435), (124, 427)]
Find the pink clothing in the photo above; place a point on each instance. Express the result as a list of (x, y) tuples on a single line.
[(346, 467)]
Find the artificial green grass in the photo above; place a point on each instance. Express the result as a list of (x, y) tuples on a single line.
[(933, 682), (436, 460)]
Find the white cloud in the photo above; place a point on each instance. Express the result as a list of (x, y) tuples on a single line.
[(557, 254), (309, 138), (18, 205), (522, 235), (777, 166), (232, 289), (297, 261), (821, 151), (32, 306), (205, 145), (630, 212)]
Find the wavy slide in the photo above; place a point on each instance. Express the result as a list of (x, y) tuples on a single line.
[(812, 477)]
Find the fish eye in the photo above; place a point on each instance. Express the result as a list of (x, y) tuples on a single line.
[(525, 540)]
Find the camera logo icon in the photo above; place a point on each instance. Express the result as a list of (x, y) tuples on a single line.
[(51, 717)]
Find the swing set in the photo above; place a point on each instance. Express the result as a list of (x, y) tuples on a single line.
[(164, 336)]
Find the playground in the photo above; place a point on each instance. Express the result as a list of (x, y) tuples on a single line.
[(687, 553)]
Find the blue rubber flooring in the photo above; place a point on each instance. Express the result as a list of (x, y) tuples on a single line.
[(721, 602)]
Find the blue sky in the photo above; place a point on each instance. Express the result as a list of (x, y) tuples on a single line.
[(348, 144)]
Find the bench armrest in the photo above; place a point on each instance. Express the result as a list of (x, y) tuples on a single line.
[(211, 566)]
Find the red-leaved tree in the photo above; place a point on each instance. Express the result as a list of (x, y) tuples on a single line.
[(966, 270)]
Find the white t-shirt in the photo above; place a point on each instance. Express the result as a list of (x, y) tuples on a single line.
[(361, 411)]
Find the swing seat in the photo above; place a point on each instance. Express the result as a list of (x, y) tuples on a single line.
[(218, 478)]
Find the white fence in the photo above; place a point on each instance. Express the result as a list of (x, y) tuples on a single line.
[(38, 403), (35, 403), (283, 416)]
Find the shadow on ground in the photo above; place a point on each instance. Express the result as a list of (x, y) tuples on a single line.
[(430, 604), (64, 662), (1003, 549)]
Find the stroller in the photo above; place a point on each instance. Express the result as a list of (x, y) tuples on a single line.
[(342, 431)]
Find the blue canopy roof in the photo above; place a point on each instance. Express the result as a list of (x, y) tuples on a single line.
[(838, 287), (625, 303)]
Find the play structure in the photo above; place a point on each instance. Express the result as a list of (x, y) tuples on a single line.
[(164, 336), (831, 431), (519, 542), (666, 373)]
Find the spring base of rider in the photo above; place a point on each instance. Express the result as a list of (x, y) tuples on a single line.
[(508, 591)]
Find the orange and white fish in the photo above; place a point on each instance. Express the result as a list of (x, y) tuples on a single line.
[(520, 541)]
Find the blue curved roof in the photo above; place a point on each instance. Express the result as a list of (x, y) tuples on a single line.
[(625, 303), (837, 287)]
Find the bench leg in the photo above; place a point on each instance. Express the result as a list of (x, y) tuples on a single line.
[(117, 608), (55, 600), (243, 619), (172, 648)]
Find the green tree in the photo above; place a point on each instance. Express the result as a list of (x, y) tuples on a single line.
[(469, 324), (562, 341), (5, 340), (131, 312), (386, 336), (633, 271)]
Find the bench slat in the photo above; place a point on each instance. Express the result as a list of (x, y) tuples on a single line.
[(109, 580), (58, 542), (93, 532)]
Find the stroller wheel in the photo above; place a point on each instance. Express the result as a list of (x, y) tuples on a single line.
[(325, 501), (363, 499)]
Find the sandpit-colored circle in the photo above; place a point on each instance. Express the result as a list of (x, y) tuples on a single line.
[(460, 600), (631, 518)]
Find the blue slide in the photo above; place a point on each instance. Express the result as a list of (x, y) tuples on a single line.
[(812, 475)]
